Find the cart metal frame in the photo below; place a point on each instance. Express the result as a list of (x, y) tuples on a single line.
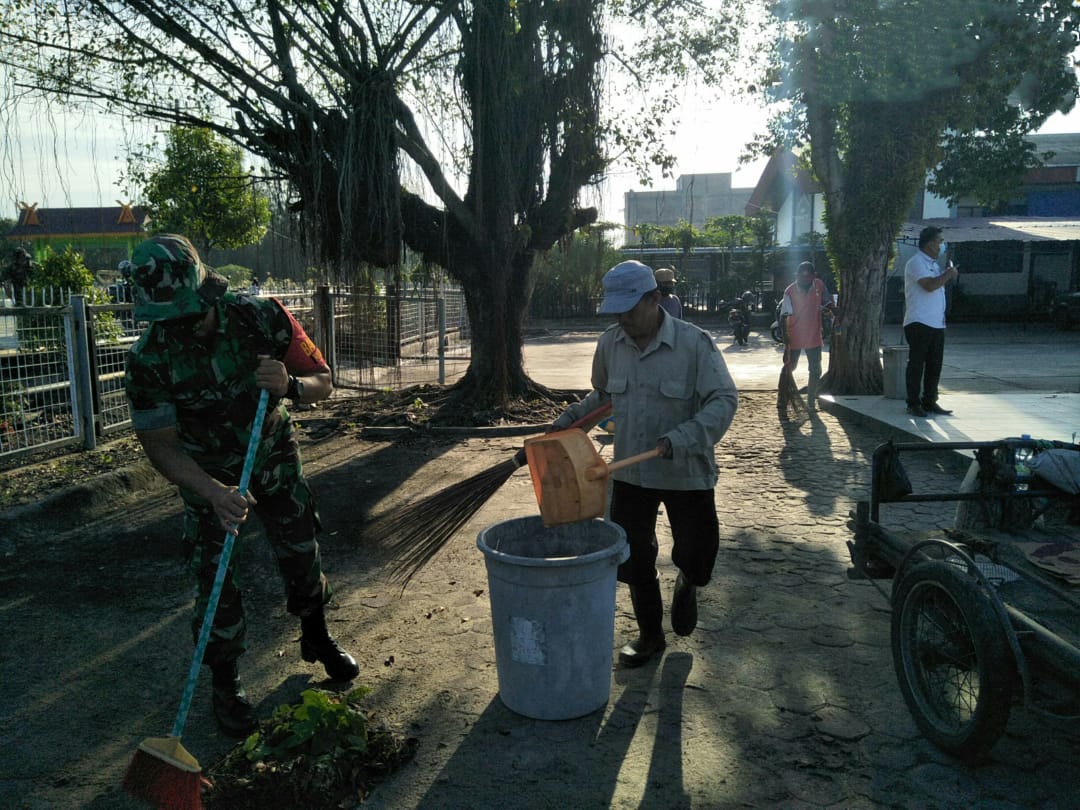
[(988, 645)]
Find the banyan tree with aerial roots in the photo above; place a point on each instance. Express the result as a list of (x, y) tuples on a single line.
[(464, 131)]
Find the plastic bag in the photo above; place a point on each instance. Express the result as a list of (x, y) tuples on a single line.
[(892, 480)]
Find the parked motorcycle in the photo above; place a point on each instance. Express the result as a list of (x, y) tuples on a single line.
[(776, 330), (739, 320)]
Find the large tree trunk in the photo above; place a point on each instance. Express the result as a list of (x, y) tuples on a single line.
[(854, 356), (869, 188), (497, 369)]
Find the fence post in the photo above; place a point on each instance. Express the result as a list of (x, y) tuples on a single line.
[(82, 388), (324, 327), (393, 323), (440, 308)]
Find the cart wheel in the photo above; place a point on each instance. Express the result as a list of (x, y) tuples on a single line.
[(951, 658)]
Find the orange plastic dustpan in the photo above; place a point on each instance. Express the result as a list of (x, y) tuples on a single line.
[(569, 477)]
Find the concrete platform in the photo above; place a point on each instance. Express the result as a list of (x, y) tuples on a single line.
[(1000, 380), (976, 416)]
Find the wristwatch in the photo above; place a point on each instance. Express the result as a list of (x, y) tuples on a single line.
[(295, 391)]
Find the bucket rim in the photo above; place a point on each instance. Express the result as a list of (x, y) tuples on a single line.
[(619, 548)]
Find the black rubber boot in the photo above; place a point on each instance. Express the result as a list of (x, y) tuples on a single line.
[(234, 714), (683, 606), (316, 645), (649, 612)]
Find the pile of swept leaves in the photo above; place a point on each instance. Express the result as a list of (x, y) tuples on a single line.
[(424, 405), (324, 752)]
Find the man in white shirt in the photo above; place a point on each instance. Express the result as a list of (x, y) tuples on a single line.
[(924, 323)]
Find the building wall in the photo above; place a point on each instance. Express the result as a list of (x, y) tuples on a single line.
[(998, 280), (695, 198), (934, 207)]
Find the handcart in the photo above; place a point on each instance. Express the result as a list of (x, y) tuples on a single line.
[(987, 613)]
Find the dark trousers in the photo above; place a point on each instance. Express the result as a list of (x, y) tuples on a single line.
[(695, 531), (926, 350)]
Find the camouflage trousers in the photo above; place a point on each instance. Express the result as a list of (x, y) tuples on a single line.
[(286, 509)]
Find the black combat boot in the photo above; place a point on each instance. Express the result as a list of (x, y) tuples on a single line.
[(234, 714), (316, 645), (649, 612)]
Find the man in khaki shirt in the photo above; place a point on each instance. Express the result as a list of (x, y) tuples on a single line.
[(670, 389)]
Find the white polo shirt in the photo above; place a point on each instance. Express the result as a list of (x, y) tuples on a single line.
[(921, 306)]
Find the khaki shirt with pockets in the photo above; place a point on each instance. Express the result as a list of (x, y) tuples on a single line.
[(678, 387)]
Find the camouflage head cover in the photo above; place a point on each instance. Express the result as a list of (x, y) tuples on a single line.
[(170, 280)]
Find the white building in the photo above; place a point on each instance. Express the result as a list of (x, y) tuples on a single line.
[(1010, 265)]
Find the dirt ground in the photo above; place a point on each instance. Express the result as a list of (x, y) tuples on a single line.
[(783, 697)]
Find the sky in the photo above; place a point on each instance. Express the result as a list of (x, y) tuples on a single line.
[(58, 160)]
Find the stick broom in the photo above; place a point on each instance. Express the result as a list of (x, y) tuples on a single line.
[(789, 402), (411, 534)]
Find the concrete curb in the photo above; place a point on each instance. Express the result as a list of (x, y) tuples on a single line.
[(389, 432)]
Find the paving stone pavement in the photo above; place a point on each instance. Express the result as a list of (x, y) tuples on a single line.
[(784, 696)]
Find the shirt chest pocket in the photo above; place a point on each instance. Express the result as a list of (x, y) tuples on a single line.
[(677, 390), (617, 385)]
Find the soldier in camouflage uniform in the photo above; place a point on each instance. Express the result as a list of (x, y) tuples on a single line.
[(18, 273), (193, 382)]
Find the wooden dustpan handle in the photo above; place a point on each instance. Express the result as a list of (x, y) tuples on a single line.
[(602, 470)]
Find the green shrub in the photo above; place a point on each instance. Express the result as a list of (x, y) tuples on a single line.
[(321, 724)]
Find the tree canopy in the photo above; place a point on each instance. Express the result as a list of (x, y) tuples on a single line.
[(877, 92), (462, 129), (200, 189)]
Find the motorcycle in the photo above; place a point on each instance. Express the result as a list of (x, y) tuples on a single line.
[(739, 321), (776, 330)]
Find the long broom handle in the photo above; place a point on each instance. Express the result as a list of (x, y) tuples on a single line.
[(593, 416), (602, 470), (219, 577)]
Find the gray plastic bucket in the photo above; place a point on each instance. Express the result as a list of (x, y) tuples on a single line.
[(553, 612)]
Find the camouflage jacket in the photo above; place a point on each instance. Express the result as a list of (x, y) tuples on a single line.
[(206, 385)]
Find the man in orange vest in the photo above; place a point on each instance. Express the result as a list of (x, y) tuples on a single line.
[(800, 319)]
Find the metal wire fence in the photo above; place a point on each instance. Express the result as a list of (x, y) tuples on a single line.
[(382, 341), (62, 367), (35, 389)]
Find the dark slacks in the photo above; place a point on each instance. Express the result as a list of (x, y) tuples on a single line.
[(695, 531), (813, 360), (926, 351)]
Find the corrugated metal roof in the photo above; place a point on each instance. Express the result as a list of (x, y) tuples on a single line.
[(998, 229)]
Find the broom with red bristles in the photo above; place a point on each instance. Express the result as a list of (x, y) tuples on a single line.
[(409, 535), (162, 772)]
